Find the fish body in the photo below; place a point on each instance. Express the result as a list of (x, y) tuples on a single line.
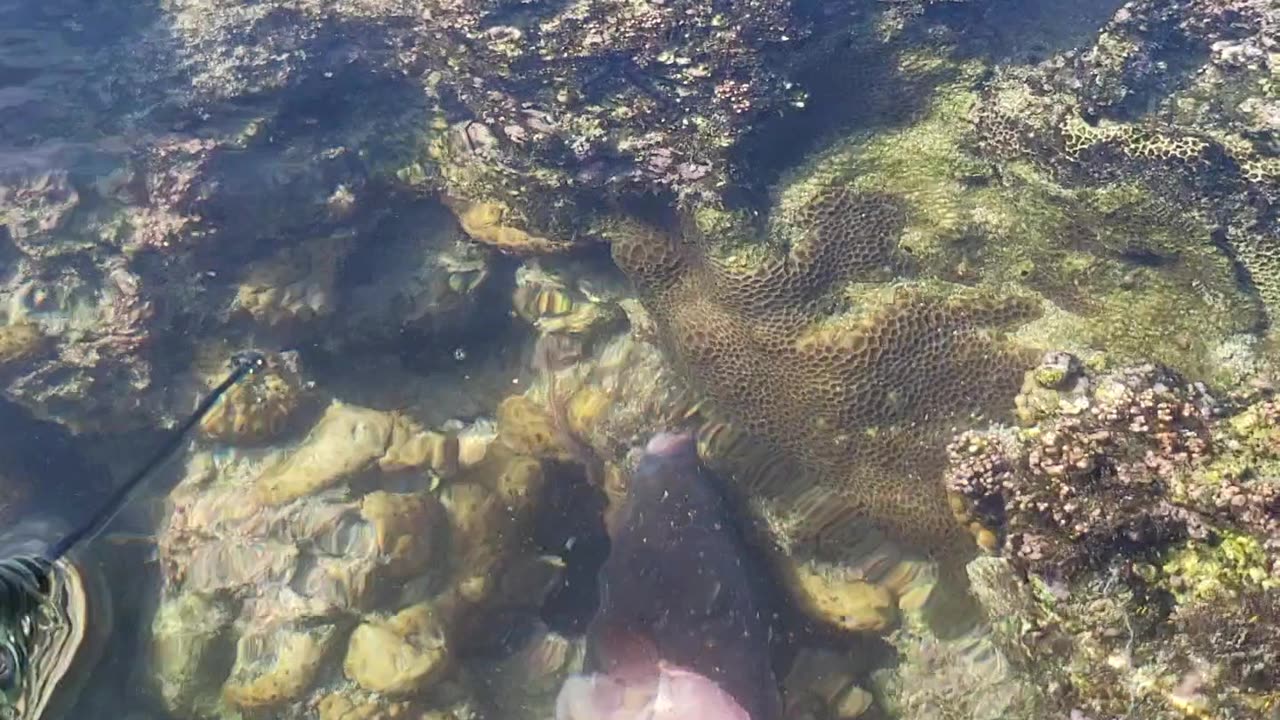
[(682, 630)]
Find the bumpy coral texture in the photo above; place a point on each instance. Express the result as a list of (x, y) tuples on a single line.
[(1149, 513), (1084, 486), (1143, 460), (858, 397), (258, 408)]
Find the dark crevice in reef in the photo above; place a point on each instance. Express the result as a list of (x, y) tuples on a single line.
[(572, 529)]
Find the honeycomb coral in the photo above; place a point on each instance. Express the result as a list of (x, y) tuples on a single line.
[(1115, 465), (860, 398), (1128, 271), (1218, 180)]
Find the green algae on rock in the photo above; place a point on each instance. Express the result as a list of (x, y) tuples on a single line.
[(1166, 97), (1129, 272)]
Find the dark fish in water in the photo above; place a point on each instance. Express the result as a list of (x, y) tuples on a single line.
[(47, 616), (682, 630)]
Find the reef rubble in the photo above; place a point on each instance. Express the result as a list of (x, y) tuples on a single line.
[(1134, 505)]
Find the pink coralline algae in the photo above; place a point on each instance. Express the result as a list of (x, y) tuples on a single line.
[(1117, 465)]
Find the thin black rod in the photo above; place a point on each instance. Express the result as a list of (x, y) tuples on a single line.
[(242, 364)]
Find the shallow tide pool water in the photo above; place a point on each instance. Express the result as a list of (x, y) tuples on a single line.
[(644, 360)]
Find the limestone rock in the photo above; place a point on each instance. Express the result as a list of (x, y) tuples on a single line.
[(236, 565), (402, 654), (346, 441), (408, 529), (275, 665), (849, 604)]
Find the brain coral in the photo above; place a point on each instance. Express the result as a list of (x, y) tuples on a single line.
[(858, 386)]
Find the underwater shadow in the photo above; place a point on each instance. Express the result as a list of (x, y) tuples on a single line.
[(1017, 32), (850, 88)]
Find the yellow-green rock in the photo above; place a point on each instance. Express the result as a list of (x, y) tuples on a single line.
[(402, 654)]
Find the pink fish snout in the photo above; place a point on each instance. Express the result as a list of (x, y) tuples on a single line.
[(671, 444), (672, 693)]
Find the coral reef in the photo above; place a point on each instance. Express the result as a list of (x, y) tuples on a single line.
[(1111, 260), (186, 178), (783, 357), (522, 118), (1099, 479), (1136, 505), (1170, 96), (861, 399)]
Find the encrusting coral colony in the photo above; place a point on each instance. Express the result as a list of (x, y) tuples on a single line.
[(971, 305)]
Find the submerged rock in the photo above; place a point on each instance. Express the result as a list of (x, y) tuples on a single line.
[(275, 173), (347, 441), (297, 285), (191, 638), (405, 653), (260, 407), (276, 665), (851, 605)]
